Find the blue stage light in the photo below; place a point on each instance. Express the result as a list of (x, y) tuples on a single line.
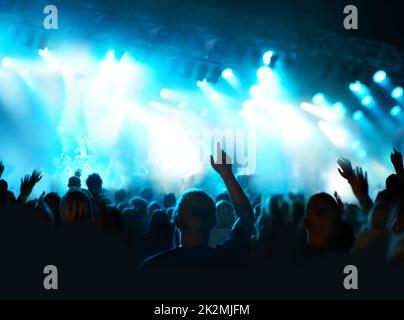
[(358, 115), (264, 73), (267, 57), (367, 101), (164, 93), (356, 86), (6, 62), (227, 73), (318, 98), (202, 83), (397, 92), (395, 111), (379, 76)]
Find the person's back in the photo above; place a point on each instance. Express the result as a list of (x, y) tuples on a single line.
[(225, 220), (195, 218)]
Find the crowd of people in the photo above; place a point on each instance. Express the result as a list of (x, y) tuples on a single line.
[(136, 243)]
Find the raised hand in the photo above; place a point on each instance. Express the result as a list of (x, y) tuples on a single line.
[(77, 173), (25, 186), (396, 158), (346, 170), (339, 202), (359, 183), (28, 183), (35, 177), (1, 168), (223, 164), (243, 209)]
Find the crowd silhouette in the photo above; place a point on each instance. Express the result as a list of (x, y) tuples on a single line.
[(141, 244)]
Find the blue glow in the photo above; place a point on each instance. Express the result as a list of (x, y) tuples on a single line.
[(362, 154), (264, 73), (367, 101), (255, 91), (6, 62), (164, 93), (395, 111), (379, 76), (318, 98), (43, 52), (358, 115), (227, 73), (267, 57), (201, 84), (356, 86), (397, 92)]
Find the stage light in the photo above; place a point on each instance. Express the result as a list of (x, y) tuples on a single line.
[(267, 57), (201, 84), (356, 87), (215, 96), (379, 76), (43, 52), (165, 93), (367, 101), (256, 91), (248, 104), (339, 109), (318, 98), (322, 112), (227, 73), (264, 73), (358, 115), (397, 92), (6, 62), (336, 135), (395, 111)]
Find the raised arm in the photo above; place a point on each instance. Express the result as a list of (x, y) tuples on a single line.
[(1, 168), (358, 180), (396, 158), (27, 185), (242, 207)]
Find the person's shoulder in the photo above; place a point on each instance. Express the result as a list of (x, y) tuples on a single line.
[(237, 238), (159, 259)]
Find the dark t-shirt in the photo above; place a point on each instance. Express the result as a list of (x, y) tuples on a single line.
[(199, 272), (233, 252)]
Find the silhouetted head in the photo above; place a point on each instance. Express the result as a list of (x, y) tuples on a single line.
[(94, 183), (321, 219), (169, 200), (196, 216), (147, 194), (160, 233), (120, 196), (74, 182), (3, 186), (140, 205), (76, 207), (223, 196), (392, 184), (52, 199), (225, 215), (153, 206), (159, 222)]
